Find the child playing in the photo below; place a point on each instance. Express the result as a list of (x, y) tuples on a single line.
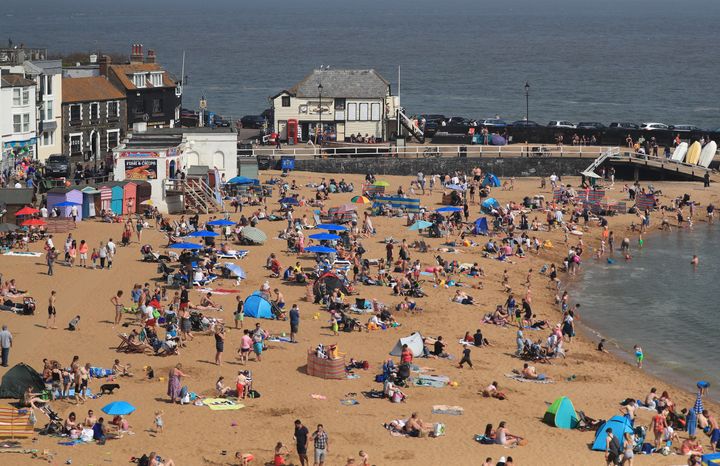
[(74, 324), (158, 422), (94, 256), (335, 326), (281, 453), (639, 356)]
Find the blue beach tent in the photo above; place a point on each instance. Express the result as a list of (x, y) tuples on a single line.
[(619, 426), (489, 204), (481, 226), (561, 414), (258, 307), (491, 180)]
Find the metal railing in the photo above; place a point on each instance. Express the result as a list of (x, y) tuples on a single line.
[(437, 150)]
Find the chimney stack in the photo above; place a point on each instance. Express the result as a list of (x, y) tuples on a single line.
[(104, 64), (150, 56), (137, 53)]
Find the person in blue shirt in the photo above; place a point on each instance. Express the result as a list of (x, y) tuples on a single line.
[(99, 431), (294, 322)]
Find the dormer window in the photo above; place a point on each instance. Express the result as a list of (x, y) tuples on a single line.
[(139, 80), (156, 78)]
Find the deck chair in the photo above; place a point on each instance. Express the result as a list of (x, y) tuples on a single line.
[(126, 346)]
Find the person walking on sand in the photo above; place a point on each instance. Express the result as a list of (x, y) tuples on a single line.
[(83, 251), (51, 256), (301, 442), (111, 249), (321, 442), (6, 341), (219, 344), (294, 322), (51, 310), (465, 357), (119, 307)]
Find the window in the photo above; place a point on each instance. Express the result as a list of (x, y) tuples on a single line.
[(25, 96), (17, 123), (285, 101), (140, 80), (140, 106), (26, 122), (363, 112), (94, 111), (375, 112), (48, 138), (75, 113), (113, 109), (47, 84), (112, 139), (17, 97), (156, 79), (352, 112), (48, 110), (75, 144), (157, 106)]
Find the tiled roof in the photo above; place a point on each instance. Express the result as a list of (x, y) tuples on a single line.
[(124, 73), (360, 84), (89, 90), (15, 80)]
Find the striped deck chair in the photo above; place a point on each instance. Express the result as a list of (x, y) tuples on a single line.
[(645, 202), (15, 422), (595, 196), (557, 195), (371, 191)]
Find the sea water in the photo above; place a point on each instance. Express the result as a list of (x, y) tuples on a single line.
[(660, 302), (615, 60)]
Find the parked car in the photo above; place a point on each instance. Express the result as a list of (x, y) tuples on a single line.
[(560, 124), (525, 124), (624, 125), (590, 125), (650, 126), (456, 125), (685, 128), (57, 166), (253, 121), (432, 123), (493, 123)]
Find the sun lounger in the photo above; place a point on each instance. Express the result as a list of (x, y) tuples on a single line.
[(126, 346), (232, 254)]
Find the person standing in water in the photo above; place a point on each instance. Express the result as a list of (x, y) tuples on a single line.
[(695, 261), (639, 356)]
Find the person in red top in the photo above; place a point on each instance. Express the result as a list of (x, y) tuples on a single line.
[(406, 356), (659, 422)]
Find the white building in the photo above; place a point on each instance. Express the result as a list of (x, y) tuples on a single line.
[(338, 104), (18, 124), (47, 75), (156, 155)]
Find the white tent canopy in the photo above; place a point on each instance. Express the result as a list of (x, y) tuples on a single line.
[(414, 342)]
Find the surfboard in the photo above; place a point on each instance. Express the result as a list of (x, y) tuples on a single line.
[(707, 154), (693, 153), (680, 151)]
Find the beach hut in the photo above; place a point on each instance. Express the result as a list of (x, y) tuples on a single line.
[(14, 199), (619, 426), (129, 204), (116, 201), (143, 192), (561, 414), (91, 202), (258, 307), (414, 342), (65, 195), (105, 197)]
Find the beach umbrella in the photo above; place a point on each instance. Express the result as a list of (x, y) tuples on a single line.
[(26, 211), (325, 236), (320, 249), (242, 180), (147, 202), (449, 209), (253, 235), (235, 270), (118, 408), (360, 200), (221, 223), (203, 234), (185, 246), (455, 187), (382, 183), (289, 201), (8, 227), (33, 222), (331, 227), (590, 174), (420, 225), (67, 204)]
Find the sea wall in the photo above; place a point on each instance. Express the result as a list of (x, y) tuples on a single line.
[(502, 167)]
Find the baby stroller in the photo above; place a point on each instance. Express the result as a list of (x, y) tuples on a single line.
[(402, 375), (55, 426)]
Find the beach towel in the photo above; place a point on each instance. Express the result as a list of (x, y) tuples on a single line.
[(280, 339), (232, 254), (445, 409), (429, 381), (349, 402), (520, 378), (222, 404), (22, 253), (99, 372), (71, 393), (217, 291), (316, 396)]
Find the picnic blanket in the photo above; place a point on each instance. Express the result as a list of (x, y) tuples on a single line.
[(435, 381), (445, 409), (222, 404), (520, 378), (232, 254), (22, 253)]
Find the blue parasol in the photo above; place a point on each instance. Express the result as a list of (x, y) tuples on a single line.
[(235, 270), (320, 249), (449, 209), (185, 246), (118, 408), (420, 225), (332, 227), (66, 204), (242, 180), (325, 236), (202, 234), (221, 223)]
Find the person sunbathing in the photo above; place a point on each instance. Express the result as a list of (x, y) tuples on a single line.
[(157, 461), (207, 304), (691, 447), (415, 427), (529, 372)]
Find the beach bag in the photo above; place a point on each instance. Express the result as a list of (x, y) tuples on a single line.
[(86, 435), (397, 397), (439, 429)]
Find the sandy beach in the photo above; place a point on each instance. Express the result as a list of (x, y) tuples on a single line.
[(596, 382)]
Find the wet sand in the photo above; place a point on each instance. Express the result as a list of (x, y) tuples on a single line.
[(196, 435)]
